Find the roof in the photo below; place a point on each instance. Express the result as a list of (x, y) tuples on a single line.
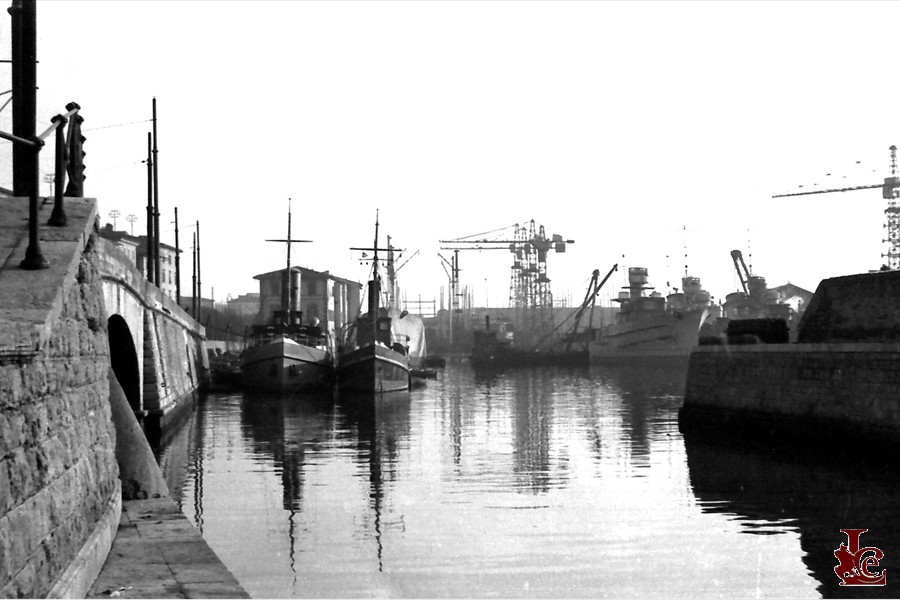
[(117, 235), (789, 289), (307, 271)]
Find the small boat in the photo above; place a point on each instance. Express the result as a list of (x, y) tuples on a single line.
[(285, 355), (374, 355)]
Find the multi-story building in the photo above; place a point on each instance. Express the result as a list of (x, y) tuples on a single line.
[(334, 301), (135, 247)]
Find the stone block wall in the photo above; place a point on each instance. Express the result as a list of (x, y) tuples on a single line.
[(855, 308), (170, 345), (831, 388), (58, 470)]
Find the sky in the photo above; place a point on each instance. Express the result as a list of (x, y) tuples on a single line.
[(651, 134)]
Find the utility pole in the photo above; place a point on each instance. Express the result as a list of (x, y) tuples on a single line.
[(151, 246), (131, 219), (199, 285), (194, 279), (155, 197), (177, 263)]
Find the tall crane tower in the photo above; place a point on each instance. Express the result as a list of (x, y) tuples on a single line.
[(529, 284), (890, 191)]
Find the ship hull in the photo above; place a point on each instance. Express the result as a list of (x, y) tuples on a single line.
[(506, 357), (285, 366), (373, 368), (667, 337)]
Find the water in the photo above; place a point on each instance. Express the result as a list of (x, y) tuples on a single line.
[(530, 483)]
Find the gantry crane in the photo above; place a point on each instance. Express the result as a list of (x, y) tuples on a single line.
[(890, 191), (529, 285)]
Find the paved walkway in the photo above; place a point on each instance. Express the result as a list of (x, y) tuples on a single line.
[(158, 553)]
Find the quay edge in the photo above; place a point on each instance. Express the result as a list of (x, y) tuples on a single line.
[(841, 379)]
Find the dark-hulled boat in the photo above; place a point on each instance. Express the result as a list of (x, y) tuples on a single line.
[(286, 357), (283, 355), (374, 355)]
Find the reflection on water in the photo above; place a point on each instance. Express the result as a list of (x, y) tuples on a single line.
[(523, 483), (818, 492)]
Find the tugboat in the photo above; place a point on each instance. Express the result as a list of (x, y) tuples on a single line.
[(284, 355), (374, 355), (653, 326)]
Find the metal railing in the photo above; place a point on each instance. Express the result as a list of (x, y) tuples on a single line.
[(69, 156)]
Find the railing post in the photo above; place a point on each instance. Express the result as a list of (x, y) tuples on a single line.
[(58, 217), (75, 151), (34, 258)]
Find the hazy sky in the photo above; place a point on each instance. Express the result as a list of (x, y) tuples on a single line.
[(638, 129)]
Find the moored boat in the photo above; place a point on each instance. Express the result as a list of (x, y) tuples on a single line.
[(375, 353), (653, 326), (284, 355)]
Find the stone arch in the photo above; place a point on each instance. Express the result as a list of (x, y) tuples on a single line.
[(124, 359)]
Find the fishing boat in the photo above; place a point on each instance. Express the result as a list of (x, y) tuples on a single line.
[(374, 354), (284, 355)]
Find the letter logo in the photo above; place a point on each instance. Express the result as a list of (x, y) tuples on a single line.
[(855, 564)]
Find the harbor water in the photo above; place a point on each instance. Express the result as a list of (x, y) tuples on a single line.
[(543, 482)]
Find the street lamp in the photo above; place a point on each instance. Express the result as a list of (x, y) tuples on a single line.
[(131, 219)]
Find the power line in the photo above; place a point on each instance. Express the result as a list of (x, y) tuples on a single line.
[(118, 125)]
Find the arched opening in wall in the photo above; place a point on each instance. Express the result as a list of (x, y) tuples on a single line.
[(124, 360)]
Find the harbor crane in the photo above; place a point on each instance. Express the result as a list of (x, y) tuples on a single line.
[(529, 285), (587, 306), (742, 271), (890, 191)]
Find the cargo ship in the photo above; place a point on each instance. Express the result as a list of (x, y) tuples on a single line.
[(652, 326)]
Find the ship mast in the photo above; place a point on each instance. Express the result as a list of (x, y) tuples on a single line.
[(288, 298)]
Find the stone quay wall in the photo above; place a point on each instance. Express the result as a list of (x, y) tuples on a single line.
[(58, 474), (170, 362), (818, 390)]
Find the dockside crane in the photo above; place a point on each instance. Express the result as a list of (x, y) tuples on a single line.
[(529, 285), (743, 272), (890, 191), (453, 277), (587, 305)]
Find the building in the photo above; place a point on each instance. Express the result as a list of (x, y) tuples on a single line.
[(334, 301), (794, 295), (245, 305), (205, 304), (135, 247)]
